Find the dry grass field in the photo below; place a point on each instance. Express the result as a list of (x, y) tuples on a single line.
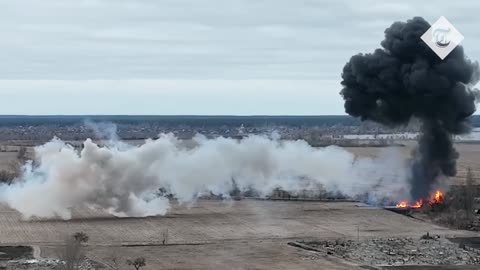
[(213, 221), (248, 234)]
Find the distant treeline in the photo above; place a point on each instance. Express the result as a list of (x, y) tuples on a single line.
[(192, 121)]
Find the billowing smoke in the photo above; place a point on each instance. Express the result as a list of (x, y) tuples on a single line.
[(125, 180), (404, 80)]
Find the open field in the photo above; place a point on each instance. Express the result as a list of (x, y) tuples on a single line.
[(248, 234), (212, 221)]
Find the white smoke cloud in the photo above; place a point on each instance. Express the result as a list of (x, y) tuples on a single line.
[(125, 180)]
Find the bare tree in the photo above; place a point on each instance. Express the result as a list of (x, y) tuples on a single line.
[(22, 154), (115, 258), (137, 263), (7, 177), (72, 253), (15, 167), (14, 170), (165, 237), (469, 196)]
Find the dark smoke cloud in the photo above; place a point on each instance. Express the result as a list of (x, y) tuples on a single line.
[(404, 80)]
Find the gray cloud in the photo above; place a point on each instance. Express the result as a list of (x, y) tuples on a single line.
[(303, 45), (187, 39)]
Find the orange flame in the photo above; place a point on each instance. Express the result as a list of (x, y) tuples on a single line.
[(418, 204), (439, 196), (403, 204), (436, 198)]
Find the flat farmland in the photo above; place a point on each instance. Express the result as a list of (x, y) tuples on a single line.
[(247, 234), (210, 221)]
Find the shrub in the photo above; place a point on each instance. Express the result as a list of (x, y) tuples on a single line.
[(137, 263), (81, 237)]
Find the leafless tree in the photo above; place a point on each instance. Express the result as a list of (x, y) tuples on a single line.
[(13, 170), (72, 253), (15, 167), (22, 154), (115, 258), (137, 263), (6, 176), (165, 237), (469, 196)]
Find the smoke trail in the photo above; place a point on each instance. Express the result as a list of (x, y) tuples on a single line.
[(102, 130), (126, 181), (406, 80)]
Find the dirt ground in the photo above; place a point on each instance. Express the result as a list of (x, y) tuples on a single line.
[(247, 234)]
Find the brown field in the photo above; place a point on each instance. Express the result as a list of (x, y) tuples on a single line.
[(247, 234)]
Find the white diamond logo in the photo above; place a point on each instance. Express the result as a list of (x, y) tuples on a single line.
[(442, 37)]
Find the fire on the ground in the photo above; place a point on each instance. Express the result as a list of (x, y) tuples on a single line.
[(435, 199)]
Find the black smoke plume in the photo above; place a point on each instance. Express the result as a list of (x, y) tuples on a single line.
[(404, 80)]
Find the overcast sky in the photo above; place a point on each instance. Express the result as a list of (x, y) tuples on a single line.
[(242, 57)]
